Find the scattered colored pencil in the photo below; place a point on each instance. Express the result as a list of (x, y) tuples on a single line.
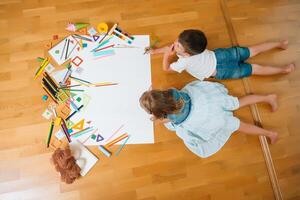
[(79, 133), (65, 130), (68, 43), (118, 139), (103, 84), (122, 146), (83, 38), (50, 133), (109, 46), (72, 77), (82, 83), (41, 68), (103, 38), (69, 86), (62, 53), (75, 90)]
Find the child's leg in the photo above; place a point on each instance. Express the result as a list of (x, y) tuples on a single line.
[(259, 48), (270, 70), (255, 130), (252, 99)]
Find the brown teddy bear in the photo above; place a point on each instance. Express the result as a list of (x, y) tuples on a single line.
[(66, 165)]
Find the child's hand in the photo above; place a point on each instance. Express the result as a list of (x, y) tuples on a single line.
[(148, 50), (171, 50)]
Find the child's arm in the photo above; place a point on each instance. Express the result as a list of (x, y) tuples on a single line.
[(158, 50), (167, 60)]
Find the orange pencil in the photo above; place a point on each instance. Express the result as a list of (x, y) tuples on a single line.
[(118, 139)]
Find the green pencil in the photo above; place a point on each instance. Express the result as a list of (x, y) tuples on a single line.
[(50, 133), (66, 89)]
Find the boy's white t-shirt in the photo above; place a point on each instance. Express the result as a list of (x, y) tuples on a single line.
[(201, 66)]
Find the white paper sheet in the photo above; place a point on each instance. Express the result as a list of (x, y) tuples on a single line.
[(113, 106)]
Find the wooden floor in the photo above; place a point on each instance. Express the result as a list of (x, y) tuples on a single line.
[(166, 169)]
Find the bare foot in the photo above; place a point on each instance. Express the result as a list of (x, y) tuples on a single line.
[(284, 44), (289, 68), (272, 100), (273, 136)]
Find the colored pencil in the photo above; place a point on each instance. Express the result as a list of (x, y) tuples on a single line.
[(62, 53), (67, 49), (80, 79), (115, 132), (73, 113), (41, 68), (79, 133), (103, 38), (65, 130), (114, 141), (122, 146), (75, 90), (43, 63), (104, 48), (72, 50), (50, 133), (103, 84), (82, 83), (82, 37), (67, 75), (69, 86)]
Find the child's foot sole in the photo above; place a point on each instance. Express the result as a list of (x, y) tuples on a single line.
[(273, 102), (273, 137), (284, 44), (289, 68)]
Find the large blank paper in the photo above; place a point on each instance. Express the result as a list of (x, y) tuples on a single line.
[(110, 107)]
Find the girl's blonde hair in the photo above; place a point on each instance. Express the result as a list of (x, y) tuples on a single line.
[(160, 103)]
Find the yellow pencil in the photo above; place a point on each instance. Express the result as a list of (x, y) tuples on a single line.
[(103, 84), (42, 67)]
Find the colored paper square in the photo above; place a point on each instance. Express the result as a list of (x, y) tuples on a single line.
[(78, 99), (77, 61)]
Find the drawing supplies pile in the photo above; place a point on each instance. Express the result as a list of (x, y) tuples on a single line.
[(66, 102)]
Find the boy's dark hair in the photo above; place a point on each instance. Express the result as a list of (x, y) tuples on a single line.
[(193, 41)]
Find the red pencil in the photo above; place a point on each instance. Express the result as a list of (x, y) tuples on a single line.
[(104, 48)]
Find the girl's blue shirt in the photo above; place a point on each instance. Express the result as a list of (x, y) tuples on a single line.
[(179, 117)]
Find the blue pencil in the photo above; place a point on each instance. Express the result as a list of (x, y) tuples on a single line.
[(122, 146)]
